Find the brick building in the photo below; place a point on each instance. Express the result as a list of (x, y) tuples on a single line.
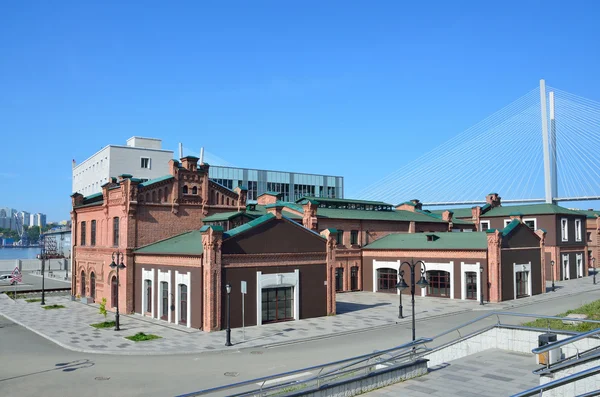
[(592, 235)]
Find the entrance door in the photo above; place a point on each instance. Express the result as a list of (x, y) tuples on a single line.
[(113, 292), (82, 283), (183, 314), (565, 267), (387, 280), (339, 279), (471, 283), (354, 278), (522, 284), (164, 296), (579, 259), (439, 283), (277, 304), (93, 286)]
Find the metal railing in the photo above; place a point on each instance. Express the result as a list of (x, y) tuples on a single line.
[(347, 367), (575, 338), (538, 390)]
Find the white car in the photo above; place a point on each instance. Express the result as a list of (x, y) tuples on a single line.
[(9, 278)]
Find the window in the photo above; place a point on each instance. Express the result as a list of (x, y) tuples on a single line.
[(579, 261), (148, 296), (340, 237), (339, 279), (277, 304), (387, 280), (82, 283), (522, 284), (531, 223), (471, 284), (589, 237), (484, 225), (354, 237), (507, 222), (354, 278), (194, 190), (182, 304), (565, 267), (93, 234), (439, 283), (114, 292), (185, 189), (116, 231), (564, 231), (93, 285), (82, 242), (164, 288), (145, 162), (577, 229)]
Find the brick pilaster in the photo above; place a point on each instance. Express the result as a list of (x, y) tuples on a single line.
[(212, 238), (494, 240), (542, 235)]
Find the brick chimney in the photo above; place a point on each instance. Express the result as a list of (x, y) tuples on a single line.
[(493, 200), (275, 209), (268, 198), (409, 206), (309, 218), (76, 199), (447, 215), (242, 193), (190, 163)]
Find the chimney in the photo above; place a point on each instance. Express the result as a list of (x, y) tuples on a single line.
[(406, 206), (180, 150), (190, 163), (447, 215), (275, 209), (268, 198), (122, 177), (201, 155), (242, 193), (493, 200), (418, 204)]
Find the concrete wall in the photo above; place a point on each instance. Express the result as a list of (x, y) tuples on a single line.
[(577, 388), (26, 265)]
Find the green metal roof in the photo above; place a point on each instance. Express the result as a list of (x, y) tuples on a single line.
[(395, 215), (441, 241), (260, 210), (338, 200), (270, 194), (530, 209), (510, 227), (189, 243), (248, 226), (458, 212), (222, 216), (591, 214), (156, 180)]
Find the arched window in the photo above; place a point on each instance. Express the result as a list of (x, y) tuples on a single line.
[(160, 195), (154, 196), (82, 283), (185, 189), (194, 190), (93, 285), (183, 304), (113, 291), (222, 199), (214, 197), (227, 201), (164, 296), (147, 197), (166, 195)]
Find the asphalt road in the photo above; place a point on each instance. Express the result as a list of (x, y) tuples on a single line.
[(32, 366), (33, 283)]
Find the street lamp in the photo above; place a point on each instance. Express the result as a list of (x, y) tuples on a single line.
[(228, 331), (552, 270), (481, 285), (43, 258), (119, 266), (402, 286), (594, 267)]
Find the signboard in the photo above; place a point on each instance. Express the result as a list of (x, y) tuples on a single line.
[(244, 289), (16, 275)]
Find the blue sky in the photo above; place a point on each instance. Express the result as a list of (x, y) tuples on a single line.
[(346, 88)]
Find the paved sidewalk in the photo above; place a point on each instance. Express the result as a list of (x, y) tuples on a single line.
[(357, 311), (492, 372)]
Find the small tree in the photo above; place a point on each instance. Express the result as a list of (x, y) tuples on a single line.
[(103, 308)]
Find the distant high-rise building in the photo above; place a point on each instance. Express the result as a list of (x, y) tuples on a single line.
[(25, 218), (38, 220), (7, 218)]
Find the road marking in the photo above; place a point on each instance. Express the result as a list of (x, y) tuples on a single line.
[(283, 379)]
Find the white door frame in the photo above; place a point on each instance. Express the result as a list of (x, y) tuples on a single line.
[(522, 268), (464, 268), (385, 265), (147, 275), (183, 278), (565, 266), (164, 277), (275, 280), (447, 267), (579, 262)]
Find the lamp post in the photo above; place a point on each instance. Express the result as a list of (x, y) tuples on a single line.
[(119, 266), (552, 270), (594, 267), (228, 331), (402, 286), (43, 258), (481, 285)]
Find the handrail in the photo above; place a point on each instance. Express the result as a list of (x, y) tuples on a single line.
[(569, 362), (571, 339), (284, 374), (535, 391)]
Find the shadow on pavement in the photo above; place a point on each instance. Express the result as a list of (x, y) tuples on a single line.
[(348, 307), (65, 367)]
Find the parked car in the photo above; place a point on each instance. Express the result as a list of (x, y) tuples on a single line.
[(9, 278)]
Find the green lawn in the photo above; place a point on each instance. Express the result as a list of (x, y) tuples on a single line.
[(140, 337), (32, 300), (592, 310), (53, 307), (106, 324)]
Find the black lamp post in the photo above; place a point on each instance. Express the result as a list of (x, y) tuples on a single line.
[(552, 270), (228, 331), (481, 285), (594, 267), (119, 266), (43, 258), (402, 286)]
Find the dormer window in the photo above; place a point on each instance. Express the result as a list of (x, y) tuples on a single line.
[(432, 237), (194, 190)]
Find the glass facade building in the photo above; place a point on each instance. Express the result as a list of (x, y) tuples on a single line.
[(291, 185)]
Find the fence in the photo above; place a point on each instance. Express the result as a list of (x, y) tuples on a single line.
[(28, 265)]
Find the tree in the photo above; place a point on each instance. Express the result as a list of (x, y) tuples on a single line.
[(33, 232)]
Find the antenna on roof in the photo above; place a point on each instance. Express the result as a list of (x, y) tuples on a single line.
[(201, 155)]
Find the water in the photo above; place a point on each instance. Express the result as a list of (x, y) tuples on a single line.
[(18, 253)]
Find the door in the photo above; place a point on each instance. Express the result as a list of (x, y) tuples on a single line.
[(439, 283), (93, 286), (82, 283), (565, 267), (113, 291), (522, 284), (164, 296), (387, 280), (183, 304), (354, 278), (339, 279), (277, 304), (471, 284)]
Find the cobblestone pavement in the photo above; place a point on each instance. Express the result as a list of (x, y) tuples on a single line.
[(489, 373), (70, 327)]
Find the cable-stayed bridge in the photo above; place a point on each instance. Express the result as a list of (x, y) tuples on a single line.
[(543, 147)]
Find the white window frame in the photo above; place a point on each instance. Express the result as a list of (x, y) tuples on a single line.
[(274, 280), (164, 277), (489, 225), (578, 234), (147, 275), (579, 264), (507, 222), (185, 279), (468, 267), (446, 267), (565, 266), (564, 229), (149, 163), (530, 220)]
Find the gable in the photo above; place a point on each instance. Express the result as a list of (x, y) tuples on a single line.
[(275, 236), (520, 237)]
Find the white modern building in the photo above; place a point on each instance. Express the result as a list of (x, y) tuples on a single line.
[(143, 158), (37, 220), (7, 220), (25, 218)]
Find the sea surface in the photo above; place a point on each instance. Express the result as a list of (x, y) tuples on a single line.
[(18, 253)]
